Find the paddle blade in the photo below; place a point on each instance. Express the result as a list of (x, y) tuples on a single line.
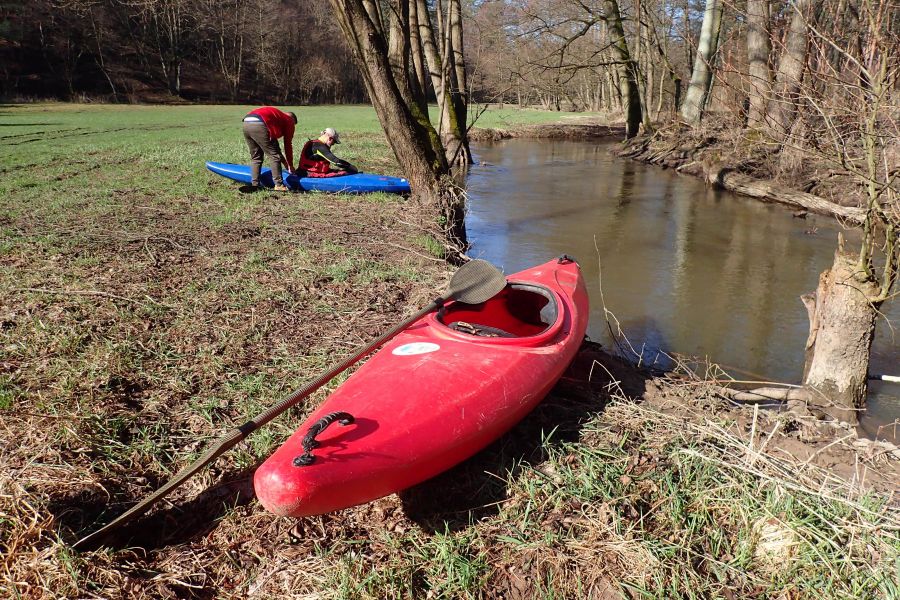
[(475, 282)]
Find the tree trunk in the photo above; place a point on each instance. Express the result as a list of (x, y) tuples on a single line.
[(702, 75), (433, 63), (791, 67), (412, 138), (407, 136), (461, 155), (628, 76), (842, 326), (443, 79), (399, 47), (676, 95), (419, 83), (644, 67), (759, 48), (101, 61)]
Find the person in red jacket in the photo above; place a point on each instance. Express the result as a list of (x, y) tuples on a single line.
[(262, 129), (317, 159)]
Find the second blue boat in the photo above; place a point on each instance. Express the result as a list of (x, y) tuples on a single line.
[(359, 183)]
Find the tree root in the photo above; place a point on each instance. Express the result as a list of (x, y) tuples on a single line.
[(768, 394), (801, 401)]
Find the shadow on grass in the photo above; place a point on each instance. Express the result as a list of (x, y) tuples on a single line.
[(475, 489), (471, 491), (26, 124), (174, 525)]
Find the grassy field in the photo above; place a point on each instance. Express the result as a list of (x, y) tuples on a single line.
[(147, 306)]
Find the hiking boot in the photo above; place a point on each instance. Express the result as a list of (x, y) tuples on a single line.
[(281, 188)]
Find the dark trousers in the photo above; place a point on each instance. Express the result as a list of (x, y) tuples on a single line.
[(257, 137)]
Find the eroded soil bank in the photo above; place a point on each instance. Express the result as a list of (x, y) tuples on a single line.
[(749, 165), (564, 130)]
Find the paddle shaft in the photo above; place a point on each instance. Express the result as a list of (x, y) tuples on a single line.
[(231, 439)]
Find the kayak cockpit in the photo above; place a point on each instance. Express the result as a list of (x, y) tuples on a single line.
[(519, 310)]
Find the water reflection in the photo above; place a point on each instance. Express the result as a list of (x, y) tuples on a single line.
[(685, 268)]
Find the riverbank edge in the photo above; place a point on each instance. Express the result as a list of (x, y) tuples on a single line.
[(799, 445), (556, 131), (699, 158), (685, 155)]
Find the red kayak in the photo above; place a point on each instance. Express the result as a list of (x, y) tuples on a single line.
[(434, 395)]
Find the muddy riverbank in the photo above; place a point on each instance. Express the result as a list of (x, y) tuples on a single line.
[(745, 166)]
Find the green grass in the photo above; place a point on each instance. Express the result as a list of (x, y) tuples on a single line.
[(496, 117), (65, 147), (7, 393), (651, 506), (432, 246)]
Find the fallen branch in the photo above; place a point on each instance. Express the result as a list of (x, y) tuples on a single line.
[(767, 394), (733, 181)]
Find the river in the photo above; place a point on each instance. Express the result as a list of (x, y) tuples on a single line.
[(684, 269)]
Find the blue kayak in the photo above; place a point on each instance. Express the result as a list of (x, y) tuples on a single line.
[(359, 183)]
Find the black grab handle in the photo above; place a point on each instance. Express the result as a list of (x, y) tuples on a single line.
[(309, 440)]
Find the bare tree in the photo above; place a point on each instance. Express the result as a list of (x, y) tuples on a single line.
[(846, 117), (704, 63), (223, 25), (628, 69), (862, 122), (759, 50), (576, 37), (791, 68), (412, 137), (168, 27)]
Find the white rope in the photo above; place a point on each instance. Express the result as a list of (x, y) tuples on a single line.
[(892, 378)]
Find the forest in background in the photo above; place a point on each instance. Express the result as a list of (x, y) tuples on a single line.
[(170, 50), (559, 54)]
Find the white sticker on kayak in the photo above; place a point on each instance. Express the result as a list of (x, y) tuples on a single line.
[(415, 348)]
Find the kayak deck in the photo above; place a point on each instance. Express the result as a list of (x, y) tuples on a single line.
[(358, 183)]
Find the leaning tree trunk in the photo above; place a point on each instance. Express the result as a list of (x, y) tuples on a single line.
[(702, 75), (842, 326), (408, 136), (628, 69), (791, 67)]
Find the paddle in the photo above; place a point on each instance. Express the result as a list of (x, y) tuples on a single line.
[(475, 282)]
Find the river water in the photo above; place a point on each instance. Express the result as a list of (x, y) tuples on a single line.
[(685, 269)]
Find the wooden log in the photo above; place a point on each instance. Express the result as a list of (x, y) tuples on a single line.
[(767, 191), (767, 394)]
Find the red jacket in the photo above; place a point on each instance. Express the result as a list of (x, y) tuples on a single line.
[(316, 158), (279, 124), (311, 165)]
